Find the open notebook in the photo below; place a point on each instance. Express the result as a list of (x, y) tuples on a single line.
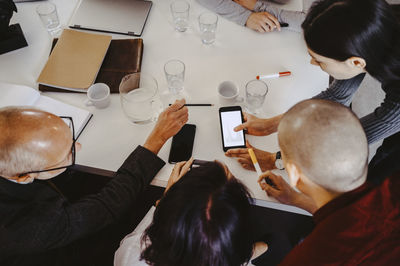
[(19, 95)]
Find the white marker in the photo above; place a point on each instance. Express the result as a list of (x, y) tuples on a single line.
[(276, 75)]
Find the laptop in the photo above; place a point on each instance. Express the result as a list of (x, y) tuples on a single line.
[(113, 16), (20, 1)]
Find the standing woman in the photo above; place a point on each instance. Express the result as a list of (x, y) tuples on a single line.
[(346, 39)]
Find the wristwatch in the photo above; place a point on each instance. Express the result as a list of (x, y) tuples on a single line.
[(278, 161)]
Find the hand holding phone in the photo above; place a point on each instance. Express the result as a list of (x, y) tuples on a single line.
[(230, 117)]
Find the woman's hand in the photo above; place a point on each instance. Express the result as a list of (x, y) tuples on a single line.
[(180, 169), (258, 126), (263, 22)]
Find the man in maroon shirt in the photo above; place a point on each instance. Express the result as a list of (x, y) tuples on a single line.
[(325, 152)]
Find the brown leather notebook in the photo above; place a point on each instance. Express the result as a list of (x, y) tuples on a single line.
[(123, 57)]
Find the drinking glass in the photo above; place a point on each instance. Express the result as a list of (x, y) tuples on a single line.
[(175, 75), (139, 98), (180, 14), (48, 14), (208, 25), (256, 90)]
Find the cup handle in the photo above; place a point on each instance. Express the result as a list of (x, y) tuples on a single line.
[(88, 102), (239, 99)]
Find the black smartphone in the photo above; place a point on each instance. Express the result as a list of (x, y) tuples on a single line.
[(182, 144), (229, 118)]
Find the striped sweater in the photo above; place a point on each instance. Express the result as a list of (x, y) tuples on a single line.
[(383, 122)]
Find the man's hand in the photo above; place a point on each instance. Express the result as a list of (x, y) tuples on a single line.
[(263, 22), (285, 193), (258, 126), (249, 4), (168, 124), (265, 159), (180, 169)]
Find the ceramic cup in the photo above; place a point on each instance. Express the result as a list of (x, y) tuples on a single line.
[(228, 93), (98, 95)]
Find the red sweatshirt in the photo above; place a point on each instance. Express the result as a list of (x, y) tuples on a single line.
[(361, 227)]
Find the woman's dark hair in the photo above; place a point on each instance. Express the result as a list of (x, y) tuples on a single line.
[(201, 220), (340, 29)]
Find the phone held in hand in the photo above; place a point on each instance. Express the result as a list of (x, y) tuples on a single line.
[(182, 144), (229, 118)]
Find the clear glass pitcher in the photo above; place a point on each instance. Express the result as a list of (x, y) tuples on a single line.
[(139, 98)]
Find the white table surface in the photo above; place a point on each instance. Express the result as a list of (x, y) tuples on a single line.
[(238, 54)]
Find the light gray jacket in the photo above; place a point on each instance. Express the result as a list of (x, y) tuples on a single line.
[(239, 14)]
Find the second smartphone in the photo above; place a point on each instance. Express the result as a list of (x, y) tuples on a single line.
[(230, 117), (182, 144)]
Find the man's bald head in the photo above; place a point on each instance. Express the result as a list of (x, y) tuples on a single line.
[(31, 140), (327, 143)]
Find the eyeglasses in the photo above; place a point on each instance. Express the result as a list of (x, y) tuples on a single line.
[(71, 126)]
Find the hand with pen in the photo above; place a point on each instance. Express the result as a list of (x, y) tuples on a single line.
[(275, 186), (168, 124), (259, 21), (263, 22)]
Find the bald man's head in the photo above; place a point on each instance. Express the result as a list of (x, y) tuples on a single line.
[(31, 140), (326, 142)]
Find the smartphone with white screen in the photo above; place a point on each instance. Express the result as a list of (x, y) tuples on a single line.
[(229, 118)]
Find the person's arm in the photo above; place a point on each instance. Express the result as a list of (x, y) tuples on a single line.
[(384, 121), (51, 224), (259, 126), (228, 9), (258, 21), (265, 159), (293, 18), (341, 91), (285, 193)]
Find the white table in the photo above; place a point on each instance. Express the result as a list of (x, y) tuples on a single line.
[(239, 54)]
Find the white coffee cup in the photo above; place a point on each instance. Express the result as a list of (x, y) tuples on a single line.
[(228, 93), (98, 95)]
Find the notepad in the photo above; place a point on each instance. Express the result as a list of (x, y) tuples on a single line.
[(75, 60), (123, 57), (19, 95)]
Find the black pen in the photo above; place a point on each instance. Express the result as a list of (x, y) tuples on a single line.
[(284, 24), (197, 104)]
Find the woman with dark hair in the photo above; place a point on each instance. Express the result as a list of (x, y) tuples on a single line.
[(202, 219), (347, 39)]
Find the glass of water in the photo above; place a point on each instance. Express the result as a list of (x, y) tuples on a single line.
[(208, 25), (139, 98), (180, 14), (48, 14), (175, 75), (256, 90)]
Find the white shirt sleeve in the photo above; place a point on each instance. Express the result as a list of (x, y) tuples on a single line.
[(129, 250)]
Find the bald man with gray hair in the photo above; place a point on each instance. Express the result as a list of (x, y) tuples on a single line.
[(39, 225), (325, 151)]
